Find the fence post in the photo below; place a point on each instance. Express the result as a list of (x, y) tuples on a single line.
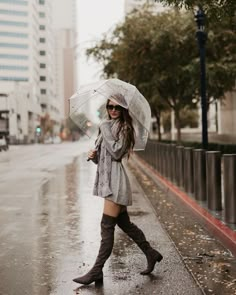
[(173, 162), (168, 157), (199, 164), (166, 162), (213, 180), (180, 166), (230, 187), (188, 170)]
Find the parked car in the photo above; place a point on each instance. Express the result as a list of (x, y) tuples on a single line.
[(4, 130), (3, 143)]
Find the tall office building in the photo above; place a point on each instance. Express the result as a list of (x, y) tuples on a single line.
[(65, 31), (19, 71), (35, 60)]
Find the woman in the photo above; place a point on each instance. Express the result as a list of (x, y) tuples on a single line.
[(115, 141)]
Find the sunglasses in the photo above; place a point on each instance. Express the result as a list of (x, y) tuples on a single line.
[(111, 107)]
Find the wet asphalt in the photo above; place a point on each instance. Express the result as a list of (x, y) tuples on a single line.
[(50, 229)]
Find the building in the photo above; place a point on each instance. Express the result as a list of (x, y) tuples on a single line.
[(30, 66), (222, 115), (51, 112), (65, 31), (228, 115), (19, 67)]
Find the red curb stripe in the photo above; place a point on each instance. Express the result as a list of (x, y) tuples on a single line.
[(224, 233)]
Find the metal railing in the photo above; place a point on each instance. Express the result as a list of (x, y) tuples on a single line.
[(198, 173)]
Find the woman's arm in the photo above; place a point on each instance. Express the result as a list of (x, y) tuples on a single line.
[(116, 147)]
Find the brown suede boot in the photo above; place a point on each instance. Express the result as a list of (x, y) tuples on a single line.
[(136, 234), (108, 224)]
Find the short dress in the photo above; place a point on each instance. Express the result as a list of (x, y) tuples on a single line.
[(111, 181)]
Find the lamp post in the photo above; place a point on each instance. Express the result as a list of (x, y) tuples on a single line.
[(201, 37)]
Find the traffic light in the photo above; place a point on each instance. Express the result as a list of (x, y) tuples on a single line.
[(38, 129)]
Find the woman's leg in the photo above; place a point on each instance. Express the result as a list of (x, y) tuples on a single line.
[(111, 208), (108, 223), (137, 235)]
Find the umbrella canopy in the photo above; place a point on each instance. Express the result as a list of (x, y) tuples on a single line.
[(88, 107)]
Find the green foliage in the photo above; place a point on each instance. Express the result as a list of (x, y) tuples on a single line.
[(189, 118), (159, 54), (216, 10)]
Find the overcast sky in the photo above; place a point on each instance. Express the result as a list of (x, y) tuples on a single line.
[(95, 17)]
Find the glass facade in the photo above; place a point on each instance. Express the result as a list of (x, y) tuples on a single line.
[(42, 14), (13, 45), (17, 2), (5, 78), (14, 68), (12, 34), (13, 12), (14, 56), (11, 23)]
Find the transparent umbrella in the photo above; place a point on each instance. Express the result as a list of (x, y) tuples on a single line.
[(88, 107)]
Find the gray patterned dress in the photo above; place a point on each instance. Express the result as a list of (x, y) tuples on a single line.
[(111, 180)]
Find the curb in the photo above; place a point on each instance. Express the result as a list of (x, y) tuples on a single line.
[(225, 234)]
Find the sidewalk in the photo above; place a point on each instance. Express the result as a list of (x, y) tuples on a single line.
[(121, 272), (212, 264)]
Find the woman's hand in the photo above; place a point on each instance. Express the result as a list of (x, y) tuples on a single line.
[(92, 154)]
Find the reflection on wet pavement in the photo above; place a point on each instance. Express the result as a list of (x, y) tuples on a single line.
[(52, 235), (41, 232)]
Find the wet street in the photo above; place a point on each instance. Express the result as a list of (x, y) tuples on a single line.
[(50, 229)]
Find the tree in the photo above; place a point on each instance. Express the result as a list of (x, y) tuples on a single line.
[(216, 10), (147, 50), (46, 125), (158, 53)]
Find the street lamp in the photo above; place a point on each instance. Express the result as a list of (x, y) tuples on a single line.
[(201, 37)]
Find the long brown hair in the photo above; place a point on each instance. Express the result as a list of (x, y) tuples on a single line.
[(125, 128)]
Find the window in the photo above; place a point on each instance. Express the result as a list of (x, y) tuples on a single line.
[(13, 68), (43, 91), (42, 28), (42, 40), (42, 52), (18, 2), (42, 14), (14, 56), (4, 78), (42, 66), (12, 34), (42, 78), (11, 23), (13, 12)]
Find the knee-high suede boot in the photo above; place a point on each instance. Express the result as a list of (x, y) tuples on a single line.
[(136, 234), (108, 224)]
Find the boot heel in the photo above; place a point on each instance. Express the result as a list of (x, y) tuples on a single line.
[(159, 258), (99, 281)]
